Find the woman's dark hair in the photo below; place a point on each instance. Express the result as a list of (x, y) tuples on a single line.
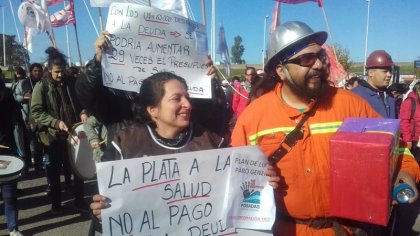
[(416, 87), (35, 65), (55, 57), (237, 78), (398, 88), (151, 93), (20, 71), (352, 81)]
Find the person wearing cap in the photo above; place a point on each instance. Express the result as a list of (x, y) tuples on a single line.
[(296, 92), (379, 73)]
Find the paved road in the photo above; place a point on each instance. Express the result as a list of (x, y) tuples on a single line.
[(34, 215)]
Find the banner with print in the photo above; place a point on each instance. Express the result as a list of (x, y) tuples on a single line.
[(194, 193)]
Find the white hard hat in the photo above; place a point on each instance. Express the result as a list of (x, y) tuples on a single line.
[(288, 39)]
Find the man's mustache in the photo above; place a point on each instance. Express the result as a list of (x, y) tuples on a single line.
[(316, 73)]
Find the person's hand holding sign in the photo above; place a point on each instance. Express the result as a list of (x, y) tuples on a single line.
[(99, 202), (211, 69), (101, 45), (274, 179)]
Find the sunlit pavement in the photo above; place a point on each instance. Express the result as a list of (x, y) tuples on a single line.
[(35, 217)]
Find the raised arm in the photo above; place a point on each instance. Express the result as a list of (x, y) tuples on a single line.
[(106, 104)]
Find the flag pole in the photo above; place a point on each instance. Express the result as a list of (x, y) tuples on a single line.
[(203, 12), (213, 30), (77, 35), (51, 38), (26, 56), (14, 20), (91, 19), (68, 45), (67, 38), (4, 38), (49, 34), (366, 39), (329, 32), (263, 49), (101, 23), (77, 42), (27, 51)]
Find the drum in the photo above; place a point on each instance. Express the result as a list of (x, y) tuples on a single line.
[(81, 154), (10, 169)]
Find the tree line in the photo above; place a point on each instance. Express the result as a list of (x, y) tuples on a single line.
[(16, 54)]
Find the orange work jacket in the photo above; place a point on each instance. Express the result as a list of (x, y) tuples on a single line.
[(304, 187)]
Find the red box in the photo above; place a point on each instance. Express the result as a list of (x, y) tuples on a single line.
[(362, 169)]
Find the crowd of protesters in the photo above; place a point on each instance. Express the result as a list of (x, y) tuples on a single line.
[(292, 90), (36, 108)]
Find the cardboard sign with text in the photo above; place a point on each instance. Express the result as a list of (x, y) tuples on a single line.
[(195, 193), (147, 40)]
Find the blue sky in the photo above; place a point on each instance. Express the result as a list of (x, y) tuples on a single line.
[(393, 25)]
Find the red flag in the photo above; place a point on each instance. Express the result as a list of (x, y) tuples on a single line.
[(53, 2), (63, 17), (337, 72), (301, 1), (275, 19)]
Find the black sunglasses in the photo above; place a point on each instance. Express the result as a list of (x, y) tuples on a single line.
[(308, 59)]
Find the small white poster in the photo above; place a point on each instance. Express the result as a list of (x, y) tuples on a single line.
[(147, 40)]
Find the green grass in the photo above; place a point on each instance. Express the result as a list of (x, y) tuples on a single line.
[(406, 68), (7, 74)]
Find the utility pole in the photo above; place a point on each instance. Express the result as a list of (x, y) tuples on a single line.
[(4, 38), (263, 51), (367, 33)]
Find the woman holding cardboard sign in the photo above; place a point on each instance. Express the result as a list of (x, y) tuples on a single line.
[(111, 105), (159, 121)]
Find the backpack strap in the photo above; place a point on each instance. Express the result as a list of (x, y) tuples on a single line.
[(291, 138)]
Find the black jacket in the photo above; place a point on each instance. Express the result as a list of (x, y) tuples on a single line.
[(10, 117), (112, 106)]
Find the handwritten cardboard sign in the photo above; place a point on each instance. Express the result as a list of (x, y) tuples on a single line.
[(107, 3), (194, 193), (148, 40)]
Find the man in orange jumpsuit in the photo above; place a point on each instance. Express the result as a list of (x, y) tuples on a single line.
[(297, 84)]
